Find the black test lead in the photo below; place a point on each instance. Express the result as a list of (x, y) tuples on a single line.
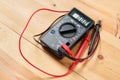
[(98, 25)]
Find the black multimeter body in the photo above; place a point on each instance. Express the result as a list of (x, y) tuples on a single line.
[(69, 29)]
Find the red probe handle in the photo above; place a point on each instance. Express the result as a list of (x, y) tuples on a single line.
[(83, 46), (74, 63)]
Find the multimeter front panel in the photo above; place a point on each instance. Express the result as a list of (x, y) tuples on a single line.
[(67, 30)]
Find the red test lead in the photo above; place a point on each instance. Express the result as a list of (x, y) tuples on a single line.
[(79, 53)]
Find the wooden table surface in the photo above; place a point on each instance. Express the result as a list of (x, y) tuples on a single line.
[(104, 65)]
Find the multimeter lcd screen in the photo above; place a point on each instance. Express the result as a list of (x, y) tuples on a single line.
[(81, 18)]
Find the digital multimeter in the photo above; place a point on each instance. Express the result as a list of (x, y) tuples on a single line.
[(69, 29)]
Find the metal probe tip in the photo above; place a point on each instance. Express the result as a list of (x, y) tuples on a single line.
[(99, 22)]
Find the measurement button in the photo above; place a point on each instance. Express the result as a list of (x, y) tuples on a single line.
[(52, 31)]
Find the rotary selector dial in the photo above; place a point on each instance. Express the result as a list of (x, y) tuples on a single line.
[(67, 30)]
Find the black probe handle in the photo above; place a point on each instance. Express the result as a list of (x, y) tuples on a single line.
[(94, 36)]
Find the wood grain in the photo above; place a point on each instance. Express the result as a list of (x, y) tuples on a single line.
[(104, 65), (12, 70)]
